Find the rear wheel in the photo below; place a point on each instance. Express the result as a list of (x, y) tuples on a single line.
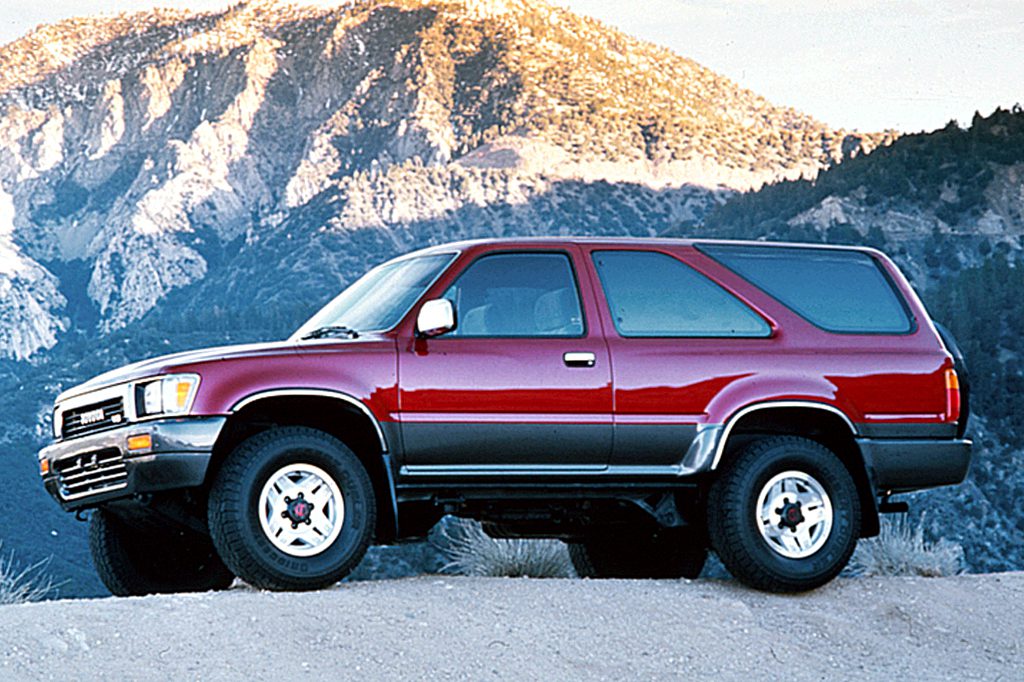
[(670, 554), (137, 559), (784, 515), (292, 508)]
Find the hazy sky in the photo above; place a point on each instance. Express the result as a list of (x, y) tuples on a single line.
[(868, 64)]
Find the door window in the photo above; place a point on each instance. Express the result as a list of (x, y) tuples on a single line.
[(517, 295)]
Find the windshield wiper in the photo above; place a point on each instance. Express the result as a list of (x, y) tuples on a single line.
[(332, 330)]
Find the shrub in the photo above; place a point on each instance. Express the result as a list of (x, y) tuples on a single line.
[(471, 551), (901, 550), (21, 585)]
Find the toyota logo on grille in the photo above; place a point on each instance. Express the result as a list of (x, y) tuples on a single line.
[(91, 417)]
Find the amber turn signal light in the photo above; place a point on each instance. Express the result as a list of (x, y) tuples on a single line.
[(44, 467), (142, 441), (952, 396)]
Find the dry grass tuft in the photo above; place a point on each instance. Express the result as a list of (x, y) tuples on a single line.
[(470, 551), (901, 550), (22, 585)]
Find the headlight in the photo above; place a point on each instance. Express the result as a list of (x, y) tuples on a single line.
[(171, 395)]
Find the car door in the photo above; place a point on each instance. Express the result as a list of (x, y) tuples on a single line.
[(523, 382)]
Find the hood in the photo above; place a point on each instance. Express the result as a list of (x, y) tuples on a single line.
[(166, 364)]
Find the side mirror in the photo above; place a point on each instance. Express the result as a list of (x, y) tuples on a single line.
[(436, 317)]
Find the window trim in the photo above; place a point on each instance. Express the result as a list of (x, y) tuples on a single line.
[(769, 325), (914, 324), (574, 273)]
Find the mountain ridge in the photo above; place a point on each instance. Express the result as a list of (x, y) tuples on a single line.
[(140, 143)]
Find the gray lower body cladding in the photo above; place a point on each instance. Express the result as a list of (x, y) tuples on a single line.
[(897, 458), (94, 469), (902, 465), (667, 448)]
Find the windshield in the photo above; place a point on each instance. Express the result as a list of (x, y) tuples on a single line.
[(378, 300)]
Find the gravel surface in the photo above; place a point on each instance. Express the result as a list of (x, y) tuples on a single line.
[(440, 627)]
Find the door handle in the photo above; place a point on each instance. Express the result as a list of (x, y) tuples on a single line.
[(579, 359)]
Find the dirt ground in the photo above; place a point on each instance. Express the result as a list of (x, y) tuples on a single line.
[(439, 627)]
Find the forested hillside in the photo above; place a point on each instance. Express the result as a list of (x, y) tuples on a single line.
[(949, 207)]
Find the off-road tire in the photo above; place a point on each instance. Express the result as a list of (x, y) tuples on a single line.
[(134, 560), (733, 518), (234, 515), (670, 555)]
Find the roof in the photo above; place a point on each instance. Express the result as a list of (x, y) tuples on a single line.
[(624, 241)]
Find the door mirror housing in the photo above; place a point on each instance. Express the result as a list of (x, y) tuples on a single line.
[(436, 317)]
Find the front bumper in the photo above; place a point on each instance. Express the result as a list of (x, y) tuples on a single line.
[(902, 465), (89, 470)]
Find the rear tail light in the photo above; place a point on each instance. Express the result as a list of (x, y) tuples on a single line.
[(952, 396)]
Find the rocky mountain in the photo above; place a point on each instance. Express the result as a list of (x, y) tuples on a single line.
[(143, 150), (172, 180)]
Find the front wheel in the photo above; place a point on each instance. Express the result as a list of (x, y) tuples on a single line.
[(292, 508), (784, 516)]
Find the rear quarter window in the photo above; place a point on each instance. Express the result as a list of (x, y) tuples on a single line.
[(845, 292), (652, 294)]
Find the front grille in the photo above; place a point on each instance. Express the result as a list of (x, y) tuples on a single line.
[(91, 418), (91, 473)]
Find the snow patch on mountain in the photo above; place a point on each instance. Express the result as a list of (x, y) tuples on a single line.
[(111, 125), (30, 300)]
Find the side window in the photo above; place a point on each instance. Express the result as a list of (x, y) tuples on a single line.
[(840, 291), (517, 295), (654, 294)]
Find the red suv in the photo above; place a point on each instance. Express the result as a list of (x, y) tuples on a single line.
[(643, 400)]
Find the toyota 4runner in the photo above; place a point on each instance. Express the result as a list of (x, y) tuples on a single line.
[(642, 400)]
